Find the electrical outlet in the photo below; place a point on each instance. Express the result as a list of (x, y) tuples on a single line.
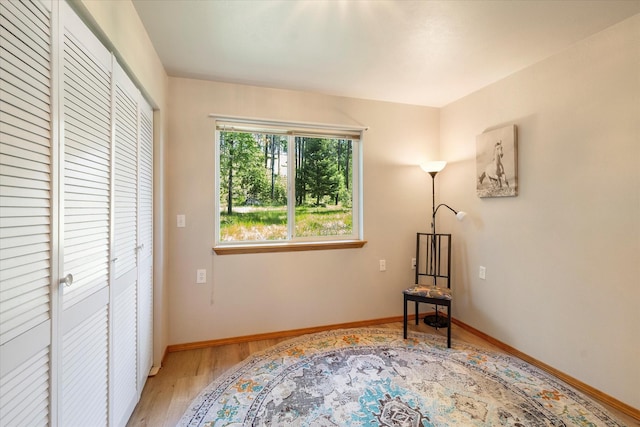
[(181, 221), (413, 263), (383, 265), (201, 276), (482, 273)]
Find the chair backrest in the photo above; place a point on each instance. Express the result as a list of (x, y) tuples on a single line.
[(433, 259)]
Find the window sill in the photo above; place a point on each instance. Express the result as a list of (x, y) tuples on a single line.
[(288, 247)]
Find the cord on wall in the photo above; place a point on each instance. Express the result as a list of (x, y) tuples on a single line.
[(211, 295)]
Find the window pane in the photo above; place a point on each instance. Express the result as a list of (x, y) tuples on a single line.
[(253, 187), (279, 184), (323, 184)]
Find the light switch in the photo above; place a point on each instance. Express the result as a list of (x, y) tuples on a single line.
[(182, 221), (201, 276)]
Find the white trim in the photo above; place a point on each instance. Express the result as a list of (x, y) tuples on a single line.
[(111, 250), (216, 186), (291, 189), (358, 215), (57, 127), (283, 123), (16, 351)]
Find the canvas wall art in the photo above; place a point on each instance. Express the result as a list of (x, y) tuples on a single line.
[(497, 163)]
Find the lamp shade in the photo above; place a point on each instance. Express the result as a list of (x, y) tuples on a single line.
[(460, 215), (433, 167)]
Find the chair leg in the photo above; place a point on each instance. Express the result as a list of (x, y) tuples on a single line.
[(417, 318), (449, 326), (405, 317)]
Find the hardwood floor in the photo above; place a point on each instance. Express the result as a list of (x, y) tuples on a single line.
[(184, 374)]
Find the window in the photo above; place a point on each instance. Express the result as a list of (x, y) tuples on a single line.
[(279, 183)]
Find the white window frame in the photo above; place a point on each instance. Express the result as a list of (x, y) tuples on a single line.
[(292, 129)]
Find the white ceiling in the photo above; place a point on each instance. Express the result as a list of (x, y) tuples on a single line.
[(415, 52)]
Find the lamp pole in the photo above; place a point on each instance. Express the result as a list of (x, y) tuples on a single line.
[(433, 201), (432, 168), (433, 225)]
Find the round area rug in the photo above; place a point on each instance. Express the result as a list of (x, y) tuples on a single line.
[(372, 377)]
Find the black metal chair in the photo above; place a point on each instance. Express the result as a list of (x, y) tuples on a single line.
[(433, 280)]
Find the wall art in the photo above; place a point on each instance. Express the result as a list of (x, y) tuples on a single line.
[(497, 163)]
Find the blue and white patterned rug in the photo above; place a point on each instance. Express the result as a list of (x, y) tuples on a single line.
[(372, 377)]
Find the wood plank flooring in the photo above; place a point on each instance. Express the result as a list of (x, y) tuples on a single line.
[(184, 374)]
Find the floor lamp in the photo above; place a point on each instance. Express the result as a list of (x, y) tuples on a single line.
[(432, 168)]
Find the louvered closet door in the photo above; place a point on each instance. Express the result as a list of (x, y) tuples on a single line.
[(26, 213), (145, 239), (124, 392), (86, 181)]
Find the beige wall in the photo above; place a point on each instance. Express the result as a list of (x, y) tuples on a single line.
[(120, 28), (562, 258), (259, 293)]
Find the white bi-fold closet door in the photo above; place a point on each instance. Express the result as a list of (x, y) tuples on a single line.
[(131, 293), (86, 217), (28, 214), (75, 224)]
